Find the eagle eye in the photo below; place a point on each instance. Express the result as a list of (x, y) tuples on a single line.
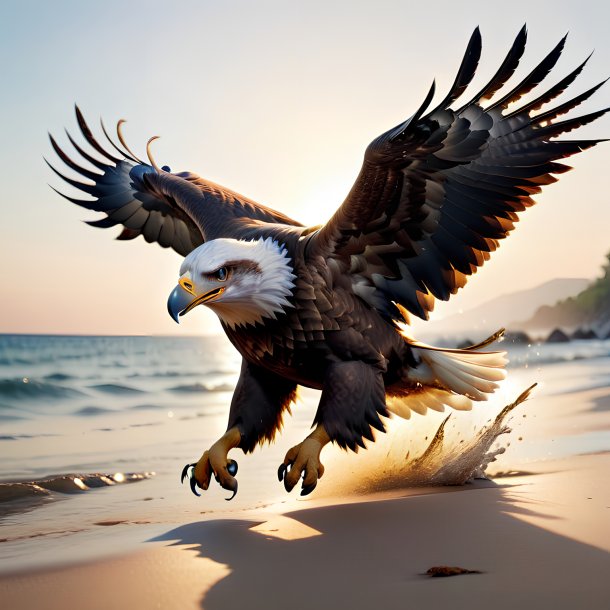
[(221, 274)]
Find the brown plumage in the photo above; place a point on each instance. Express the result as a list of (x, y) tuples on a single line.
[(434, 197)]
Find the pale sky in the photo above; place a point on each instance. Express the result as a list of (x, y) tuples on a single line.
[(274, 99)]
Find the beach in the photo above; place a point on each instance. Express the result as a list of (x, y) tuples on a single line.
[(535, 533)]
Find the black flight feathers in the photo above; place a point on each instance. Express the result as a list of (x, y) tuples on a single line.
[(173, 210), (437, 193), (434, 196)]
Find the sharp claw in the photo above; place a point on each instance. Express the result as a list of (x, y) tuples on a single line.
[(281, 471), (232, 467), (287, 486), (232, 487), (185, 471), (307, 489), (193, 483)]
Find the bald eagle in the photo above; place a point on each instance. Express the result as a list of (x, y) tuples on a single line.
[(326, 307)]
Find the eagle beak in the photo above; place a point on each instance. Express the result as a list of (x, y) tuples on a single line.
[(183, 298)]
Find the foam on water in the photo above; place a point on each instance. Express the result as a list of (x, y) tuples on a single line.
[(19, 496)]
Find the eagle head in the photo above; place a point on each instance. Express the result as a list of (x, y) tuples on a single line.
[(241, 281)]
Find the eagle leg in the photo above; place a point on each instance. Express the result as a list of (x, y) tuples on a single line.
[(215, 462), (259, 402), (304, 459)]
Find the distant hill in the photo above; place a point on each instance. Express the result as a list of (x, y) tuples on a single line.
[(590, 308), (506, 310)]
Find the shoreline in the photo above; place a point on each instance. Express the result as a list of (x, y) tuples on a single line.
[(539, 534), (541, 539)]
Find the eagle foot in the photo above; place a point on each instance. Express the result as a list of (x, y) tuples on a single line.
[(215, 462), (304, 460)]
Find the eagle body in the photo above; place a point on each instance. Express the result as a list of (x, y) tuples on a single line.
[(325, 327), (324, 323), (327, 307)]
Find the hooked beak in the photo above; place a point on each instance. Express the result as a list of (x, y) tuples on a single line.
[(183, 298)]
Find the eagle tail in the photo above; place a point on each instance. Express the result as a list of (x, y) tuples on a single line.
[(468, 372), (449, 377)]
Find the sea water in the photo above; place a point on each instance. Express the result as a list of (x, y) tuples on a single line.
[(94, 432)]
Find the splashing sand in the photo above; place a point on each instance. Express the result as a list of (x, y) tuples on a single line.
[(442, 462)]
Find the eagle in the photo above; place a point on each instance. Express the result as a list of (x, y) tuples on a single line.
[(327, 307)]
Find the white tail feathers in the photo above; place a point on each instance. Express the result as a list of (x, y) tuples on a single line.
[(427, 398), (449, 377), (470, 373), (452, 377)]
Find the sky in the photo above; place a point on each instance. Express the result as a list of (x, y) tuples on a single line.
[(274, 99)]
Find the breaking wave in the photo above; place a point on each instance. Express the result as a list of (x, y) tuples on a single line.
[(24, 388), (17, 496), (57, 377), (115, 388)]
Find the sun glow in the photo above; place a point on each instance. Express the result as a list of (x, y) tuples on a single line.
[(318, 201)]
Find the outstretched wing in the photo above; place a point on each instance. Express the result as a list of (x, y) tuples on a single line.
[(437, 193), (180, 211)]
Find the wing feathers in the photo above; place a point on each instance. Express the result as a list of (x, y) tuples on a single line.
[(466, 70), (71, 164), (86, 188), (437, 193), (123, 153), (552, 93), (553, 113), (534, 78), (84, 128), (505, 71), (174, 210), (399, 131), (84, 154)]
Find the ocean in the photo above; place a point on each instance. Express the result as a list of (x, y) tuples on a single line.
[(94, 432)]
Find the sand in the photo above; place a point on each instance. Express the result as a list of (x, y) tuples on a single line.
[(539, 538)]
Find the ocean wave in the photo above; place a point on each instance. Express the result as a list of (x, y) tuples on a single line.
[(115, 388), (201, 387), (9, 492), (146, 407), (31, 494), (12, 361), (57, 377), (92, 410), (24, 388)]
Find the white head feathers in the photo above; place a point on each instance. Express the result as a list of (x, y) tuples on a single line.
[(259, 278)]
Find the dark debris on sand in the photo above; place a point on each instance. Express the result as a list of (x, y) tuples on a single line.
[(443, 571)]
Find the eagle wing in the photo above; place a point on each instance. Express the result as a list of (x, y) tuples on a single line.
[(180, 210), (437, 193)]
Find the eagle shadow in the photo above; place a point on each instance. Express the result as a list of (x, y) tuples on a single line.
[(375, 554)]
